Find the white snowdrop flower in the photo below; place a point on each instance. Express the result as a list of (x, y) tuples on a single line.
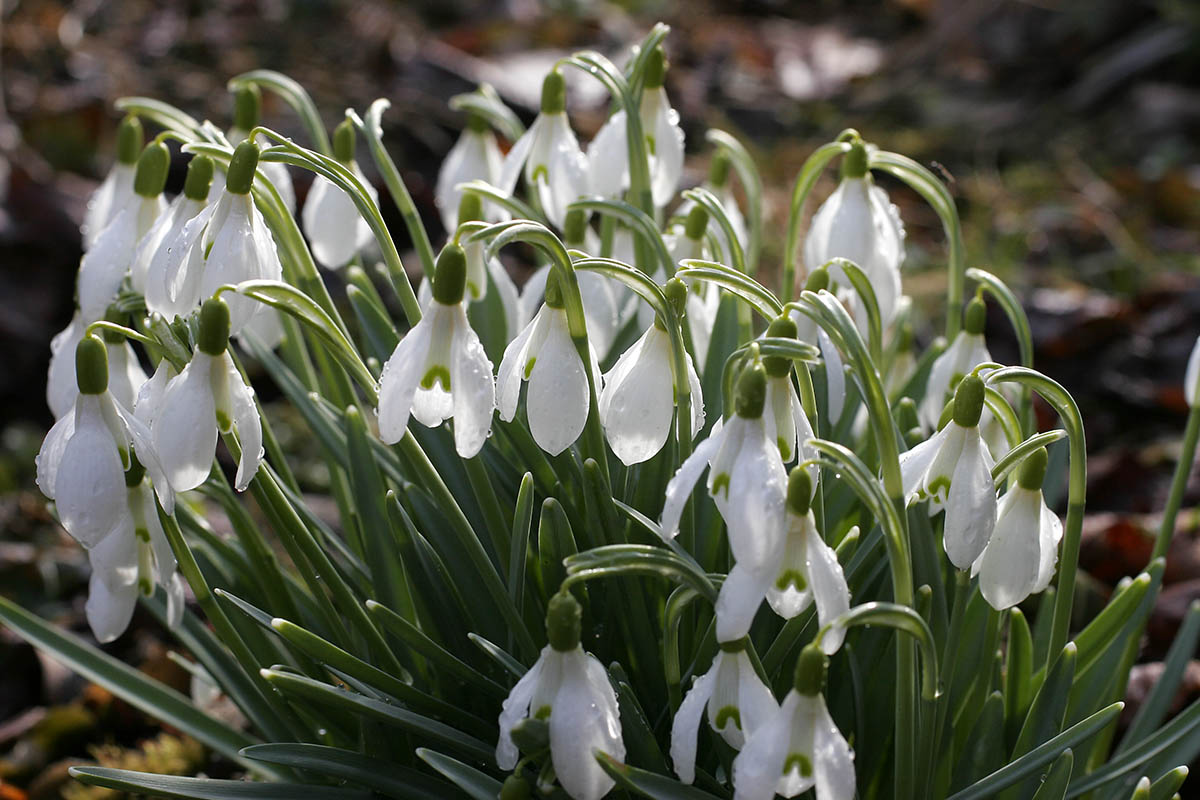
[(82, 462), (808, 331), (808, 568), (746, 478), (704, 298), (799, 747), (208, 396), (859, 223), (108, 260), (129, 561), (336, 230), (953, 469), (784, 417), (544, 354), (160, 264), (1019, 559), (555, 167), (570, 691), (737, 700), (247, 108), (608, 154), (637, 405), (1191, 378), (439, 370), (115, 192), (125, 374), (475, 156), (967, 351)]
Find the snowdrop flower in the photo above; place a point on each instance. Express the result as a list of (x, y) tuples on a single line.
[(799, 747), (125, 375), (559, 397), (785, 418), (718, 183), (570, 689), (809, 331), (637, 405), (1020, 557), (554, 165), (746, 478), (954, 470), (859, 223), (247, 108), (704, 298), (737, 700), (115, 192), (208, 396), (966, 352), (608, 155), (1191, 378), (335, 228), (170, 285), (106, 262), (439, 369), (82, 462), (475, 156)]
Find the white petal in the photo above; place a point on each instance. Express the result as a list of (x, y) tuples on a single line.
[(104, 265), (50, 456), (234, 256), (89, 487), (61, 387), (835, 377), (1009, 565), (738, 601), (608, 158), (150, 396), (971, 506), (113, 558), (175, 595), (1050, 530), (125, 374), (142, 438), (247, 425), (638, 401), (100, 204), (915, 463), (755, 700), (829, 588), (679, 489), (662, 122), (474, 389), (149, 244), (1191, 378), (833, 761), (401, 374), (109, 608), (514, 709), (685, 728), (566, 174), (937, 388), (174, 274), (584, 721), (696, 395), (510, 298), (333, 224), (185, 427), (757, 768), (559, 398), (467, 161), (518, 154), (754, 505), (791, 591), (515, 365)]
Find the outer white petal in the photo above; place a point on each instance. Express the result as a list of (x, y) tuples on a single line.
[(755, 506), (559, 399), (104, 264), (469, 159), (61, 387), (402, 374), (333, 224), (232, 256), (1009, 565), (515, 363), (754, 698), (938, 386), (125, 374), (167, 224), (638, 401), (175, 593), (185, 427), (111, 594), (566, 171), (142, 439), (164, 557), (685, 729), (600, 311), (757, 769), (829, 588), (833, 760), (49, 458), (662, 122), (696, 394), (518, 154), (510, 298), (608, 158), (804, 432), (516, 708), (113, 558), (915, 463), (971, 505), (89, 486), (474, 389), (150, 396), (174, 273), (1191, 378), (741, 594), (680, 487), (247, 424), (119, 180), (533, 292), (1050, 529), (584, 720), (281, 178), (835, 376)]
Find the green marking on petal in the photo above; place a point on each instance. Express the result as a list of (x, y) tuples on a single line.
[(436, 374), (142, 534), (650, 144), (223, 421), (721, 482), (785, 448), (939, 486), (542, 713), (798, 761), (729, 714), (529, 367), (540, 171), (791, 577)]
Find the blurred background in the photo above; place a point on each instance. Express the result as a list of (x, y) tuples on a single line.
[(1069, 133)]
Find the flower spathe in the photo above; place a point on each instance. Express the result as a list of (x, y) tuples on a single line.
[(439, 370), (475, 156)]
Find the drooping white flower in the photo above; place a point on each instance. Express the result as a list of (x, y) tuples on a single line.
[(247, 108), (799, 747), (336, 230), (111, 254), (637, 405), (125, 374), (967, 351), (115, 192), (859, 223), (475, 156), (1191, 378), (554, 165), (544, 354), (953, 469), (704, 298), (439, 370), (784, 416), (569, 689), (1020, 557), (82, 462), (808, 331), (158, 268), (208, 396), (738, 704), (608, 154), (746, 478), (719, 184)]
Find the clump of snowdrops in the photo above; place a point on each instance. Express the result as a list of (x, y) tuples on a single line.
[(528, 591)]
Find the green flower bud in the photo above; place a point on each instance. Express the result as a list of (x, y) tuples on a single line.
[(975, 318), (697, 223), (854, 165), (554, 93), (1033, 470), (781, 327), (343, 142), (247, 107), (575, 228), (564, 622), (240, 177), (450, 278), (818, 280), (91, 366), (750, 395), (968, 401), (199, 178), (214, 327), (152, 166), (800, 491), (656, 68), (718, 169), (554, 292), (129, 140), (810, 671), (470, 208), (515, 788)]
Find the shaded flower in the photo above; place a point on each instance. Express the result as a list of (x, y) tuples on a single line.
[(336, 230), (475, 156), (115, 192)]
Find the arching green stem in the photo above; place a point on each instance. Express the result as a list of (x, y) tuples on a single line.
[(805, 182)]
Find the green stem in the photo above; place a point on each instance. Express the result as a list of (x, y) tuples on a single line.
[(805, 182), (1187, 456)]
